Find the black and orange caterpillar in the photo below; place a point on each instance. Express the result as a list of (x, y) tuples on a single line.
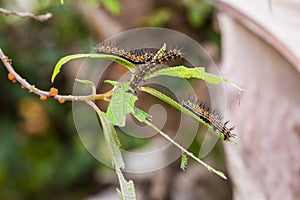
[(146, 59), (166, 59), (136, 56), (211, 118)]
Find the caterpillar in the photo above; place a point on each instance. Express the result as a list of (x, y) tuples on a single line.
[(166, 59), (139, 74), (211, 118), (136, 56), (146, 59)]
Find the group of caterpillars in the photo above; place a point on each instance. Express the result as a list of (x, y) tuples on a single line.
[(148, 61)]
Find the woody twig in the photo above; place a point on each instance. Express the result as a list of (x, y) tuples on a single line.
[(53, 92), (37, 17)]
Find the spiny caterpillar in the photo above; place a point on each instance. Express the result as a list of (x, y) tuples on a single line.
[(136, 56), (211, 118), (165, 60), (139, 74), (148, 60)]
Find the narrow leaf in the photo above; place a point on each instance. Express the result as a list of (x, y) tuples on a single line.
[(113, 144), (66, 59), (127, 187), (111, 137), (184, 72), (141, 115)]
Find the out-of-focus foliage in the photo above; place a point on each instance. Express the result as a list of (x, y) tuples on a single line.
[(112, 6), (160, 17), (41, 156), (198, 12)]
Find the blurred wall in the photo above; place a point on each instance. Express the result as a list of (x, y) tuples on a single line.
[(259, 56)]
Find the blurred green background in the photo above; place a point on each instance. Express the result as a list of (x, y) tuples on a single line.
[(41, 155)]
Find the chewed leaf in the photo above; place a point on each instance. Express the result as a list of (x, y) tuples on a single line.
[(113, 144), (184, 72), (127, 187), (121, 104), (68, 58)]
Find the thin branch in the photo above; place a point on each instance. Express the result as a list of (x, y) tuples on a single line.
[(61, 98), (38, 17), (209, 168)]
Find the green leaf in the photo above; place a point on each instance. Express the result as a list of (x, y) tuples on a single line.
[(127, 187), (66, 59), (121, 103), (120, 196), (112, 6), (113, 141), (111, 137), (113, 144), (160, 17), (184, 72), (113, 83), (141, 115), (62, 2)]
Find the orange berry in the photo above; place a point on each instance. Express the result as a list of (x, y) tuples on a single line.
[(61, 100), (53, 91), (43, 98), (11, 76)]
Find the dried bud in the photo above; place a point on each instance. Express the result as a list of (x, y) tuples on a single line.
[(53, 92), (61, 100), (31, 89), (43, 98), (11, 76)]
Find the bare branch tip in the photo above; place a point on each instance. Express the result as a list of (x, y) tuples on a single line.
[(35, 16)]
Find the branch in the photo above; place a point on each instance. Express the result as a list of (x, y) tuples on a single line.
[(15, 77), (38, 17)]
